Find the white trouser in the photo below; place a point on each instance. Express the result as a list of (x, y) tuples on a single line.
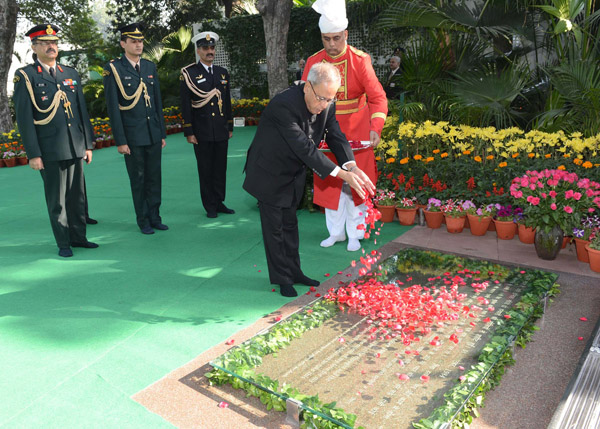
[(347, 215)]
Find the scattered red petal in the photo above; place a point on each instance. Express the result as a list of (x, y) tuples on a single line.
[(317, 295), (312, 289), (580, 338), (487, 320), (230, 342), (272, 290), (425, 378), (223, 404), (507, 316), (583, 319), (462, 378), (278, 318), (462, 368), (403, 377), (341, 340), (327, 274)]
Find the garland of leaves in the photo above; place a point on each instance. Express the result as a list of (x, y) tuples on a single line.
[(236, 367)]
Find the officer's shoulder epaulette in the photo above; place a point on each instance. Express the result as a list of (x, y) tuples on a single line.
[(357, 51), (316, 53), (113, 60), (189, 65)]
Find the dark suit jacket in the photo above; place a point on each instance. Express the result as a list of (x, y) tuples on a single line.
[(286, 140), (141, 125), (209, 123), (62, 138), (393, 85)]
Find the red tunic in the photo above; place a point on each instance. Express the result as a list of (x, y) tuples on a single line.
[(360, 109)]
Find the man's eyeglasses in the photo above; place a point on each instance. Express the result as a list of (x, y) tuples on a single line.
[(322, 99)]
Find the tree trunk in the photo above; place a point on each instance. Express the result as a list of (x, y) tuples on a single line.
[(8, 29), (276, 22)]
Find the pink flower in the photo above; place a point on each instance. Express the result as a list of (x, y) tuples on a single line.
[(535, 201), (544, 195), (576, 196), (569, 194), (568, 209), (553, 206), (552, 194), (532, 187)]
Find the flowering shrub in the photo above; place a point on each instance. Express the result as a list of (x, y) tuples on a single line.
[(383, 197), (8, 154), (452, 208), (589, 228), (252, 108), (555, 197), (508, 213), (407, 203), (434, 205)]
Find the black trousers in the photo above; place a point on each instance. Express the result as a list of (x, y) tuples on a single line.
[(65, 199), (211, 158), (280, 236), (143, 167)]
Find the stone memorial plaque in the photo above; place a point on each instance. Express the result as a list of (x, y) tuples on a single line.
[(393, 372)]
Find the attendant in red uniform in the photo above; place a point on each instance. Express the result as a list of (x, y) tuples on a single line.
[(361, 109)]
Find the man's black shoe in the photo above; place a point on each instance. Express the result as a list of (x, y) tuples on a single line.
[(211, 214), (288, 290), (65, 252), (306, 281), (160, 226), (224, 209), (147, 230), (90, 221), (85, 244)]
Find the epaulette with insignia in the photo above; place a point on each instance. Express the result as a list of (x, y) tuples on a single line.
[(105, 73), (181, 77), (357, 51), (190, 65), (112, 61), (16, 79)]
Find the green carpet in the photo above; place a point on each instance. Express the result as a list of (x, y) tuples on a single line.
[(79, 336)]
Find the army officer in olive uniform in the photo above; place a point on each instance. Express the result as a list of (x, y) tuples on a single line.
[(207, 121), (57, 134), (136, 117)]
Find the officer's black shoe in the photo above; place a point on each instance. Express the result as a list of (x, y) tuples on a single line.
[(307, 281), (90, 221), (211, 214), (224, 209), (65, 252), (85, 244), (160, 226), (288, 290), (147, 230)]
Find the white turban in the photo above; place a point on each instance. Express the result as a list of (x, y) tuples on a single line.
[(333, 15)]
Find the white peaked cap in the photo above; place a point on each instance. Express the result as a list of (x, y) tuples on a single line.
[(333, 15)]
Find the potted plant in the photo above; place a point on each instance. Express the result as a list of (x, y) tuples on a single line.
[(554, 200), (406, 208), (9, 158), (385, 202), (22, 157), (433, 213), (455, 215), (525, 232), (506, 228), (593, 249), (480, 218), (590, 227)]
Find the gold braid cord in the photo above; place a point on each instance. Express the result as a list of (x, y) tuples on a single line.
[(135, 96), (205, 97), (59, 96)]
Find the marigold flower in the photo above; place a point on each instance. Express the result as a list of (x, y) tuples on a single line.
[(429, 159), (561, 167), (466, 152), (444, 155), (516, 154), (531, 155), (587, 164), (477, 159), (390, 160), (417, 157), (502, 164), (577, 161), (489, 157), (377, 158), (567, 155), (548, 156), (404, 160)]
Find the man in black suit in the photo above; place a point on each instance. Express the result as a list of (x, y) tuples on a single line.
[(301, 67), (208, 121), (135, 110), (57, 135), (290, 129), (393, 82)]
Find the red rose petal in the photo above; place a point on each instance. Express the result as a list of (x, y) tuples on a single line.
[(403, 377), (580, 338), (425, 378), (583, 319), (507, 316), (327, 274), (223, 404), (230, 342)]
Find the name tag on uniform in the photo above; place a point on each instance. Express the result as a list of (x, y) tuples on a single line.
[(40, 84), (127, 77), (201, 80)]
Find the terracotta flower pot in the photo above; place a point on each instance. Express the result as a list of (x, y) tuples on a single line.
[(433, 219), (22, 160), (387, 213), (566, 240), (594, 256), (479, 224), (455, 225), (406, 216), (2, 163), (582, 253), (505, 230), (526, 234), (492, 227), (99, 144), (11, 162)]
